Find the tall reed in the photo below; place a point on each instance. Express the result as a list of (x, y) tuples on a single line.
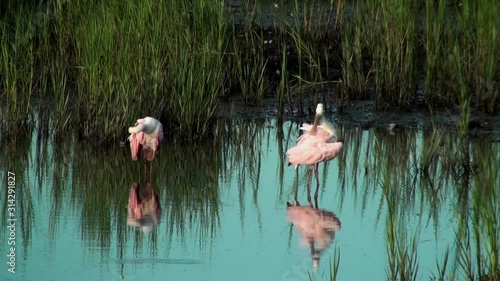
[(195, 62), (435, 28), (250, 64), (120, 59), (480, 24), (353, 78), (283, 86), (17, 75), (394, 51)]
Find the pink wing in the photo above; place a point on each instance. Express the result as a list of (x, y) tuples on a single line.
[(304, 154), (320, 136), (136, 140), (312, 153), (332, 150)]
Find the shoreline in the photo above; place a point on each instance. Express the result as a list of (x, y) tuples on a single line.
[(364, 114)]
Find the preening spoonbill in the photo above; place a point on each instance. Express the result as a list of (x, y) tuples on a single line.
[(318, 144), (146, 136)]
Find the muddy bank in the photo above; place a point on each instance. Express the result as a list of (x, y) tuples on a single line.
[(365, 115)]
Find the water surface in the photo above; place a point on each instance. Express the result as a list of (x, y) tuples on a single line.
[(223, 205)]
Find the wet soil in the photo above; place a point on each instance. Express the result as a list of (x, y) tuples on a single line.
[(364, 114)]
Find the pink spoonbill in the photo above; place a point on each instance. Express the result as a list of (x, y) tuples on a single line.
[(318, 144), (146, 136)]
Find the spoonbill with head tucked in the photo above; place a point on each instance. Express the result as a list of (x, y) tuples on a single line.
[(146, 136)]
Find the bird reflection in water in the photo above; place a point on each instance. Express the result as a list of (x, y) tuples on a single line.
[(317, 227), (144, 211)]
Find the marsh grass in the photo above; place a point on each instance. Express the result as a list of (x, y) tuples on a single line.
[(17, 69), (435, 28), (305, 30), (196, 63), (442, 267), (394, 57), (469, 35), (251, 64), (283, 90), (479, 45), (123, 60), (353, 77), (101, 65)]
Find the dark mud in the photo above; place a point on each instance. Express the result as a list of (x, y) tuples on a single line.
[(364, 114)]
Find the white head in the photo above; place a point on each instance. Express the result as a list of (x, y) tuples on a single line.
[(319, 109)]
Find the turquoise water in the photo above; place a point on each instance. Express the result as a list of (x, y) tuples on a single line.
[(223, 206)]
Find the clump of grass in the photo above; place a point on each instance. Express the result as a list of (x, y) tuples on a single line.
[(121, 57), (485, 214), (468, 37), (17, 71), (394, 52), (479, 22), (463, 97), (306, 31), (123, 60), (195, 62), (250, 64), (353, 79), (319, 20), (432, 143), (435, 26)]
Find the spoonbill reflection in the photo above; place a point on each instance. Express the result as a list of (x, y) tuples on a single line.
[(318, 144), (143, 211), (317, 227), (146, 136)]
